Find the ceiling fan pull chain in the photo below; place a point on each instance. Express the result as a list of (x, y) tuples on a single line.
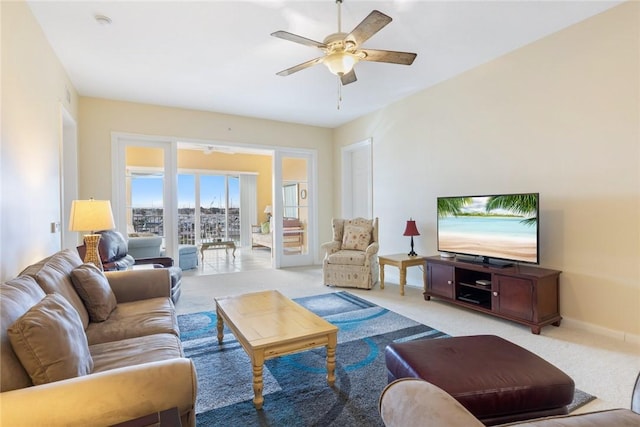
[(339, 92)]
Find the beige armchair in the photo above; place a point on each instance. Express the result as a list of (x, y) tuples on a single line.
[(351, 259)]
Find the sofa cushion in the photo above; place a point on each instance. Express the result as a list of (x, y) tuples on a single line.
[(94, 290), (53, 274), (17, 296), (122, 353), (50, 342), (136, 319), (356, 237), (347, 258)]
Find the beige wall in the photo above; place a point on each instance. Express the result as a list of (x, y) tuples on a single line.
[(559, 117), (100, 117), (34, 92)]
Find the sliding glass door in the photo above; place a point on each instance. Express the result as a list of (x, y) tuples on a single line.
[(217, 217)]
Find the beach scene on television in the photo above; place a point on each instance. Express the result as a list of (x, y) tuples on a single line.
[(504, 226)]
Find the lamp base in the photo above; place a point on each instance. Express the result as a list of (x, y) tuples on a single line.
[(412, 253), (91, 245)]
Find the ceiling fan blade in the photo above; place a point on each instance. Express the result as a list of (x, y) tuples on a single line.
[(299, 67), (393, 57), (370, 25), (350, 77), (298, 39)]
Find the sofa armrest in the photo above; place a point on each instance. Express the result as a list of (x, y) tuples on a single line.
[(410, 402), (330, 247), (136, 285), (105, 398), (635, 396), (372, 249)]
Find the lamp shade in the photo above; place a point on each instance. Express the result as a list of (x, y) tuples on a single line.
[(91, 215), (411, 229), (267, 209)]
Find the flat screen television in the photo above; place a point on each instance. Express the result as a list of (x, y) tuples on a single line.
[(496, 229)]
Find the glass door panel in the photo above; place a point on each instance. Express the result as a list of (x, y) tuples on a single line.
[(296, 219), (186, 209), (145, 205), (219, 208), (233, 209)]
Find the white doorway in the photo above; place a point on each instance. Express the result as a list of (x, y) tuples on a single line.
[(357, 180), (69, 176)]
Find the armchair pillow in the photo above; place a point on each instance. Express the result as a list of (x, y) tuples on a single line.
[(356, 237), (265, 227), (50, 342), (94, 290)]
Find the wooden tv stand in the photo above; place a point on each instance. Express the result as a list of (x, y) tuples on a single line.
[(524, 294)]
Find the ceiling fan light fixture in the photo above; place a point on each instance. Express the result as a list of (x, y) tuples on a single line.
[(340, 63)]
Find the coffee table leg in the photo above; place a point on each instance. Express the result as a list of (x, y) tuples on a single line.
[(258, 362), (331, 359), (220, 326), (381, 276)]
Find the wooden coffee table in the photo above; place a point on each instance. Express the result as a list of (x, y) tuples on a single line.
[(267, 324)]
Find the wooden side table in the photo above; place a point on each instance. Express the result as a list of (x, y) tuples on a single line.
[(402, 261)]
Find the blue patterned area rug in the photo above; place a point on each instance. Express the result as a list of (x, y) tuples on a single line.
[(296, 392)]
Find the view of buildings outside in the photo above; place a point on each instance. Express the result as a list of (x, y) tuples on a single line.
[(217, 221)]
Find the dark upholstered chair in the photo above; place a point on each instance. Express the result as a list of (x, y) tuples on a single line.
[(114, 255)]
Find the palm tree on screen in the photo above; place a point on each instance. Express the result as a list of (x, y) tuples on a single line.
[(525, 205), (452, 206)]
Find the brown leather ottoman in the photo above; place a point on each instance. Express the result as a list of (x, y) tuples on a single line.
[(496, 380)]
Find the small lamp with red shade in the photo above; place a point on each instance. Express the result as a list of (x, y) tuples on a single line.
[(411, 230)]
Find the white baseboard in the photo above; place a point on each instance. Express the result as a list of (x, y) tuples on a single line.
[(601, 330), (589, 327)]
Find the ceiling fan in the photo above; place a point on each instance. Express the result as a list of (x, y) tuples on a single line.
[(342, 51)]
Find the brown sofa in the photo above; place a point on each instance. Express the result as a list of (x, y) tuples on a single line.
[(126, 356), (409, 402)]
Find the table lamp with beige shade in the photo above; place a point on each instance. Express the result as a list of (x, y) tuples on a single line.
[(91, 215)]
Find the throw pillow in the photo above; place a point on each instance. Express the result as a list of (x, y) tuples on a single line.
[(94, 290), (265, 227), (50, 342), (356, 237)]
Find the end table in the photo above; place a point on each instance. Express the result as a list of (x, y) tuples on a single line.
[(402, 261)]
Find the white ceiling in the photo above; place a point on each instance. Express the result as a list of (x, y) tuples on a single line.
[(219, 55)]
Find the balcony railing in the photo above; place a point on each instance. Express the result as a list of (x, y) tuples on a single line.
[(213, 225)]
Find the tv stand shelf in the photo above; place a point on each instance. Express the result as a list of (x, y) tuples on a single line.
[(524, 294)]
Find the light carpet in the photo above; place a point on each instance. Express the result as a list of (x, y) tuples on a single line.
[(295, 388)]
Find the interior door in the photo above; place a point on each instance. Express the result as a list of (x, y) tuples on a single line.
[(293, 221), (357, 181)]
